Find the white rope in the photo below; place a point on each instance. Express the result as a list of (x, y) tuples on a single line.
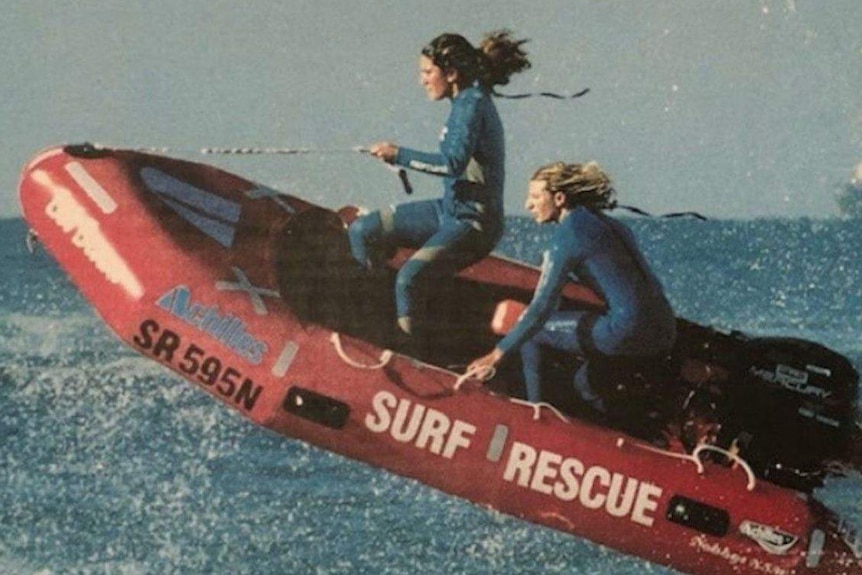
[(247, 151), (730, 455), (537, 408), (260, 151), (484, 374), (242, 151), (621, 441), (694, 457), (385, 357), (474, 374)]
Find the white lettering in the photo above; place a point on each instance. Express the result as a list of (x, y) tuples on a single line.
[(73, 218), (620, 503), (521, 460), (545, 470), (382, 403), (790, 378), (542, 471), (426, 428), (595, 487), (570, 470), (700, 543), (458, 438), (403, 433), (588, 499), (646, 502), (434, 428)]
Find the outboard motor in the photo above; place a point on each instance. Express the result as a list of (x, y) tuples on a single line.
[(787, 405)]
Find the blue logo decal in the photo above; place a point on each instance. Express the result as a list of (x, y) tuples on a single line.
[(208, 212), (227, 328)]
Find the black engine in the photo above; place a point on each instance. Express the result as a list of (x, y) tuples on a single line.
[(787, 405)]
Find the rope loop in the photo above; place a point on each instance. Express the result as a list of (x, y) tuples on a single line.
[(385, 357), (483, 374), (752, 482), (694, 457), (537, 408), (474, 374)]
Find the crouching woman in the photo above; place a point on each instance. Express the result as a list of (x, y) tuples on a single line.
[(637, 320)]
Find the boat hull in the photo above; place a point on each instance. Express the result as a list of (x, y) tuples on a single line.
[(192, 267)]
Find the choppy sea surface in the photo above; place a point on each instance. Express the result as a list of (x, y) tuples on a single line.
[(111, 464)]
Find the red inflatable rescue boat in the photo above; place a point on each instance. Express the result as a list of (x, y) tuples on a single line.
[(250, 295)]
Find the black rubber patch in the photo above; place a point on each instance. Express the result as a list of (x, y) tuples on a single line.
[(690, 513), (86, 150), (316, 407)]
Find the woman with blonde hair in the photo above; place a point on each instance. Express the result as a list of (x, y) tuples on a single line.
[(464, 225), (601, 252)]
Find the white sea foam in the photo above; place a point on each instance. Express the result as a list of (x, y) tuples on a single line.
[(113, 464)]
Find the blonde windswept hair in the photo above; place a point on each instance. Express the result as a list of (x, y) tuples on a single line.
[(583, 184)]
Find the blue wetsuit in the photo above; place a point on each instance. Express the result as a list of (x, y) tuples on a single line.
[(602, 252), (465, 224)]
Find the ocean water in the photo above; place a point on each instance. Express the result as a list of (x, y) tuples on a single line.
[(113, 465)]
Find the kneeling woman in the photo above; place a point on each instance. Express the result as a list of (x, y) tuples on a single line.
[(464, 225), (637, 320)]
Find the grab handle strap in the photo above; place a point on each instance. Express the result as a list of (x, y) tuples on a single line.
[(385, 357)]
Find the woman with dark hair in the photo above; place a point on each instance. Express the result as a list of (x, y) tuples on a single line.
[(464, 225), (637, 321)]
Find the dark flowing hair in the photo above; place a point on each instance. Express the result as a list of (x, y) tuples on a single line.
[(497, 58)]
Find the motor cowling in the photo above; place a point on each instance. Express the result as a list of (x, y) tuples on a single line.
[(787, 405)]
